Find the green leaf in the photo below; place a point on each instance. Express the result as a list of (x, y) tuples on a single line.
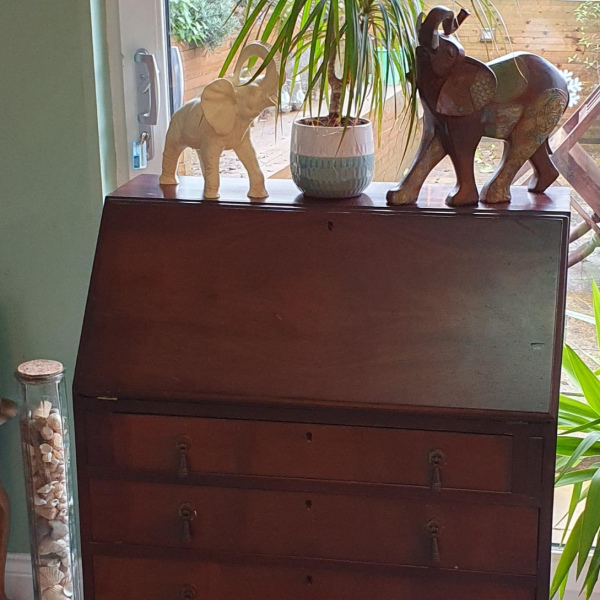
[(583, 377), (594, 569), (567, 558), (576, 477), (584, 427), (591, 522), (575, 499), (566, 446), (573, 406), (582, 447), (596, 305)]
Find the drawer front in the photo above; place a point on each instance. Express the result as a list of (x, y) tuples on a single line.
[(453, 535), (147, 579), (180, 446)]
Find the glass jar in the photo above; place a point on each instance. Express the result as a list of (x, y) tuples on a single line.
[(45, 438)]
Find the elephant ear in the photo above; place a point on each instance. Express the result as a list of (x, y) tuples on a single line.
[(469, 88), (220, 105)]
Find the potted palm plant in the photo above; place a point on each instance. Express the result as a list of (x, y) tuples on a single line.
[(332, 151), (578, 466)]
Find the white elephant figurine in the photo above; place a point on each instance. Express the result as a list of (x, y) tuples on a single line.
[(220, 119)]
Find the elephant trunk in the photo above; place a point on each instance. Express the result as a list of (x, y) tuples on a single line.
[(261, 50), (428, 34)]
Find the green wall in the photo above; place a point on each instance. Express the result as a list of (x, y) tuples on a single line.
[(51, 176)]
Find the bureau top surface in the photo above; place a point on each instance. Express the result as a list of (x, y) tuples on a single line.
[(283, 193), (426, 307)]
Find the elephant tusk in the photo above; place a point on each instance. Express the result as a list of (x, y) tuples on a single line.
[(435, 40)]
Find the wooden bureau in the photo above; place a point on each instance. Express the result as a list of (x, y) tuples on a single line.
[(298, 399)]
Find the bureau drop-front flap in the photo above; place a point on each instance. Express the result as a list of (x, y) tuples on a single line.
[(340, 302)]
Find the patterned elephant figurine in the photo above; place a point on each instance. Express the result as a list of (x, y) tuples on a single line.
[(518, 98), (220, 120)]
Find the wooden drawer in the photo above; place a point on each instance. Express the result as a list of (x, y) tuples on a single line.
[(147, 579), (360, 454), (471, 537)]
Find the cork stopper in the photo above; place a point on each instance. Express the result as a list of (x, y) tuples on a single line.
[(40, 369)]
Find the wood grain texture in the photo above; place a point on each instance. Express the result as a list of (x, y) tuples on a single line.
[(327, 304), (328, 526), (143, 579), (306, 451)]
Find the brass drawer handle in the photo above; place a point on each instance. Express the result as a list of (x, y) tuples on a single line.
[(433, 530), (436, 461), (187, 513), (188, 592), (183, 446)]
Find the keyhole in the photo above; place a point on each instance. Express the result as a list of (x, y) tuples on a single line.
[(308, 436), (308, 504), (309, 580), (330, 225)]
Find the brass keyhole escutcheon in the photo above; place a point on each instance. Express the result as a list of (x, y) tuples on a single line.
[(437, 459), (434, 529), (187, 513), (183, 447), (188, 592)]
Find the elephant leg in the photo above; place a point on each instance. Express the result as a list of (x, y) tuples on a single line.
[(463, 160), (171, 154), (537, 123), (544, 171), (520, 147), (210, 158), (430, 153), (247, 154), (497, 189)]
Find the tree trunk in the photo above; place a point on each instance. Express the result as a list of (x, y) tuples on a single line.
[(335, 86)]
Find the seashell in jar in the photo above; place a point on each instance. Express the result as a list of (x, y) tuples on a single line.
[(42, 529), (50, 546), (45, 448), (55, 422), (58, 453), (47, 433), (49, 562), (45, 489), (59, 530), (54, 593), (39, 501), (48, 473), (57, 440), (68, 588), (53, 502), (47, 512), (43, 410), (50, 576), (47, 458)]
